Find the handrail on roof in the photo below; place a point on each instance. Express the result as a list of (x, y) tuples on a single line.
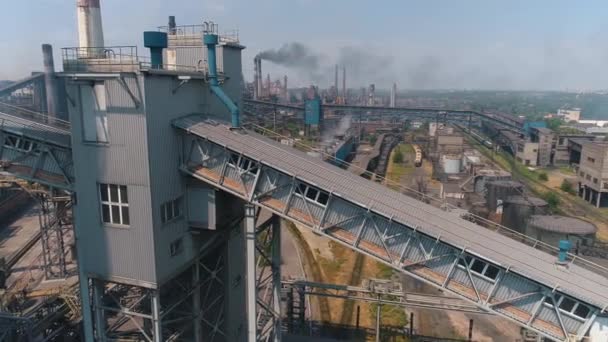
[(481, 221)]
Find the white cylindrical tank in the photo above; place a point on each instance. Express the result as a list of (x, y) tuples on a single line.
[(90, 30), (451, 164)]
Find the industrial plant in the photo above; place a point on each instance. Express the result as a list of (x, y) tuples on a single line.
[(158, 195)]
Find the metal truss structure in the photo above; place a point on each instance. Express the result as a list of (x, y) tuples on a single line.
[(36, 148), (267, 286), (55, 218), (382, 292), (188, 307), (248, 174)]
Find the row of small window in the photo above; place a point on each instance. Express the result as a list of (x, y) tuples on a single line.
[(588, 177), (479, 267), (312, 194), (243, 163), (20, 143), (569, 306)]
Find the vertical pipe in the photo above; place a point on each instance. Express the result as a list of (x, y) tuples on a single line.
[(250, 306), (90, 30), (211, 40), (276, 275), (156, 320), (358, 317), (49, 79), (378, 313), (100, 320), (156, 41)]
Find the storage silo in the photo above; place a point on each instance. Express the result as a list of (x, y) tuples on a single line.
[(518, 209), (553, 228), (451, 164), (498, 191)]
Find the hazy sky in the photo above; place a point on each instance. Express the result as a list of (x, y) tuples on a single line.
[(482, 44)]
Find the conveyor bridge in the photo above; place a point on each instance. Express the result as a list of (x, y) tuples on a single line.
[(496, 273)]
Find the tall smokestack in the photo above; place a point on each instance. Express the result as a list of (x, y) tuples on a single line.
[(344, 84), (90, 30), (285, 96), (49, 79), (256, 92), (336, 82), (172, 24), (260, 79), (393, 99)]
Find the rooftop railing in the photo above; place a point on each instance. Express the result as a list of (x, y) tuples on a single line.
[(117, 59), (191, 35), (443, 205)]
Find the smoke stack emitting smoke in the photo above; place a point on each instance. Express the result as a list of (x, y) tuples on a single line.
[(314, 67), (292, 55)]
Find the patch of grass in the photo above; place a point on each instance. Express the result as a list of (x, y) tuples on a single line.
[(384, 272), (567, 187), (543, 176)]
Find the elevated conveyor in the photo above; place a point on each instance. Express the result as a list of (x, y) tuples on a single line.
[(494, 272), (35, 147)]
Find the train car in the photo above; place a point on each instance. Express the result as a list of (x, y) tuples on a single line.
[(418, 152)]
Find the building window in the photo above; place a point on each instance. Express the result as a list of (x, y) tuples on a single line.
[(479, 267), (114, 204), (176, 247), (595, 180), (582, 174), (20, 144), (312, 194), (569, 306), (591, 159), (243, 164), (588, 177), (171, 210), (94, 110)]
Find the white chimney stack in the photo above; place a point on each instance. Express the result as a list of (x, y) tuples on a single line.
[(90, 31)]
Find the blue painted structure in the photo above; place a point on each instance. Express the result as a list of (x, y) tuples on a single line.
[(528, 125), (344, 150), (313, 113), (156, 42), (564, 248), (211, 40)]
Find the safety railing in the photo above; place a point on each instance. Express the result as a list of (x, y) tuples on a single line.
[(439, 203), (118, 59), (191, 35), (35, 117)]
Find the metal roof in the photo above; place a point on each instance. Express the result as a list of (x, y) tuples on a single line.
[(534, 264), (562, 224), (531, 201), (35, 130)]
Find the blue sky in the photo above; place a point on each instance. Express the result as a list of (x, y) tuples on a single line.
[(466, 44)]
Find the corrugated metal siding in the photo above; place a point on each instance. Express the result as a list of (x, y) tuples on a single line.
[(165, 151), (114, 252)]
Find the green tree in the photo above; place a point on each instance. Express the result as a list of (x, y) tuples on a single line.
[(398, 157), (567, 187), (552, 199), (372, 139), (554, 123)]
